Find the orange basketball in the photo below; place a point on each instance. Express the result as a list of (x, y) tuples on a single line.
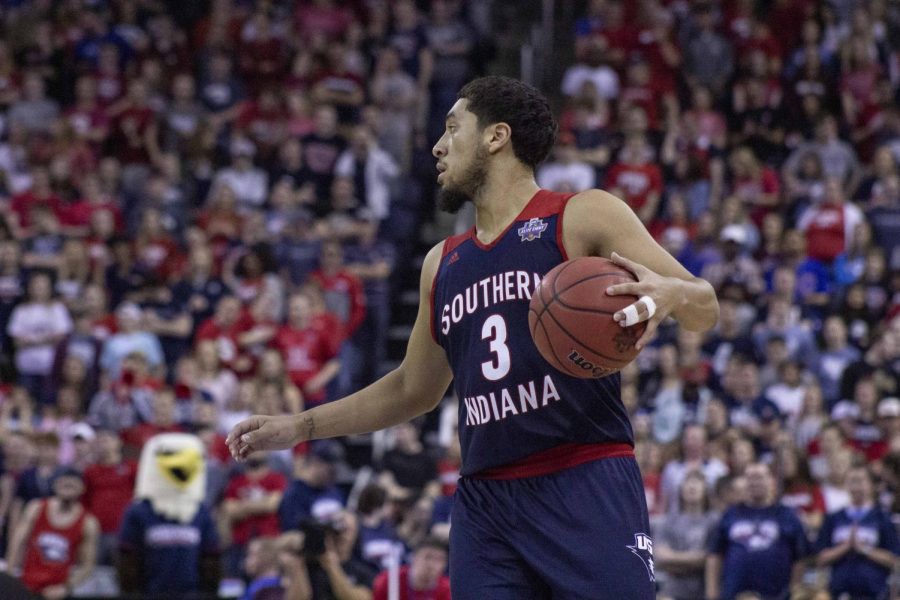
[(571, 318)]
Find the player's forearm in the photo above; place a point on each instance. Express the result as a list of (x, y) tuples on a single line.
[(698, 308), (385, 403)]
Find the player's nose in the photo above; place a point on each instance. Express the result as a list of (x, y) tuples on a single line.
[(439, 150)]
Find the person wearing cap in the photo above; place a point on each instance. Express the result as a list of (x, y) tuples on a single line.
[(55, 544), (131, 337), (734, 263), (859, 542), (312, 493)]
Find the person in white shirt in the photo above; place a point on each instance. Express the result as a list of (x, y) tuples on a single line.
[(593, 69), (36, 326), (566, 173), (249, 183)]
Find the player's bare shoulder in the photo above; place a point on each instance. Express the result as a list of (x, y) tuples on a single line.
[(593, 220)]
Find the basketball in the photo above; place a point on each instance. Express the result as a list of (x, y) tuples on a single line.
[(571, 318)]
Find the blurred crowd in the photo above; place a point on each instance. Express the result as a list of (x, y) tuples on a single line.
[(759, 142), (205, 208)]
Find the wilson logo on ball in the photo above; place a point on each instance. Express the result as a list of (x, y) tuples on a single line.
[(625, 339), (587, 365)]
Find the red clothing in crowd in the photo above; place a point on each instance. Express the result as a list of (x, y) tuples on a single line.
[(806, 498), (440, 592), (108, 492), (129, 129), (637, 182), (21, 205), (305, 352), (159, 254), (104, 327), (135, 437), (225, 337), (448, 474), (331, 327), (243, 487), (344, 296), (51, 551), (79, 213), (828, 228)]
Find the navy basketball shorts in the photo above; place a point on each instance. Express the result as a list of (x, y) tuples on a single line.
[(581, 533)]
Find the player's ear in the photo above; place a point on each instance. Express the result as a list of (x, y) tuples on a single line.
[(498, 135)]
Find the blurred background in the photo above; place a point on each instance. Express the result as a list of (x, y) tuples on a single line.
[(215, 208)]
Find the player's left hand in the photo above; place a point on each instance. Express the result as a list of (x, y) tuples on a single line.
[(662, 291)]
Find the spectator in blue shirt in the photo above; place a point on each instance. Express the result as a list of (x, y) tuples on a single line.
[(130, 338), (859, 543), (757, 545), (312, 495)]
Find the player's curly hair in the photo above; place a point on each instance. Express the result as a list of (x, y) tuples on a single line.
[(496, 99)]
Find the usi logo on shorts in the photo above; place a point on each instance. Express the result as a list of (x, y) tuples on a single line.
[(643, 549)]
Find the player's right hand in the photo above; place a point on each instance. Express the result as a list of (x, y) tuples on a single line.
[(263, 432)]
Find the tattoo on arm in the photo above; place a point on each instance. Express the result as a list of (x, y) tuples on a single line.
[(310, 424)]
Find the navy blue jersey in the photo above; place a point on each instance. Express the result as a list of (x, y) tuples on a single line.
[(512, 402), (853, 573), (170, 551), (758, 540)]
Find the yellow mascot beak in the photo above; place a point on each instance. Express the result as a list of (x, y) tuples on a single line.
[(179, 467)]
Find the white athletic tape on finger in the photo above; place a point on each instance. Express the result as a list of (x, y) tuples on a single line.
[(631, 315), (650, 304)]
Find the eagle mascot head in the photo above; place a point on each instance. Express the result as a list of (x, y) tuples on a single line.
[(172, 475)]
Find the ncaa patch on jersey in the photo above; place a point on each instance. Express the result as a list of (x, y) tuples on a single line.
[(643, 549), (532, 230)]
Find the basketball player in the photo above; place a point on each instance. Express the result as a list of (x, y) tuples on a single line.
[(550, 503)]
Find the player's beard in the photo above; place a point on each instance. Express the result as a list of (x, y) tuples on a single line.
[(452, 198)]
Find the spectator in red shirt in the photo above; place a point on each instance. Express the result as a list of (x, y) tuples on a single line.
[(134, 130), (224, 327), (40, 193), (343, 291), (423, 578), (109, 487), (308, 354), (829, 226), (250, 508), (55, 544), (346, 298), (322, 17), (163, 419), (88, 119), (755, 184), (78, 215), (635, 179)]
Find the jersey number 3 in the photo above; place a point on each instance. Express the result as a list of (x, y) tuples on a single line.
[(494, 330)]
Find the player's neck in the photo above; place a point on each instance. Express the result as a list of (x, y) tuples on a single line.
[(502, 198)]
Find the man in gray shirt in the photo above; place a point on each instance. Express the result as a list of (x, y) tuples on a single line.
[(35, 112), (837, 156)]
